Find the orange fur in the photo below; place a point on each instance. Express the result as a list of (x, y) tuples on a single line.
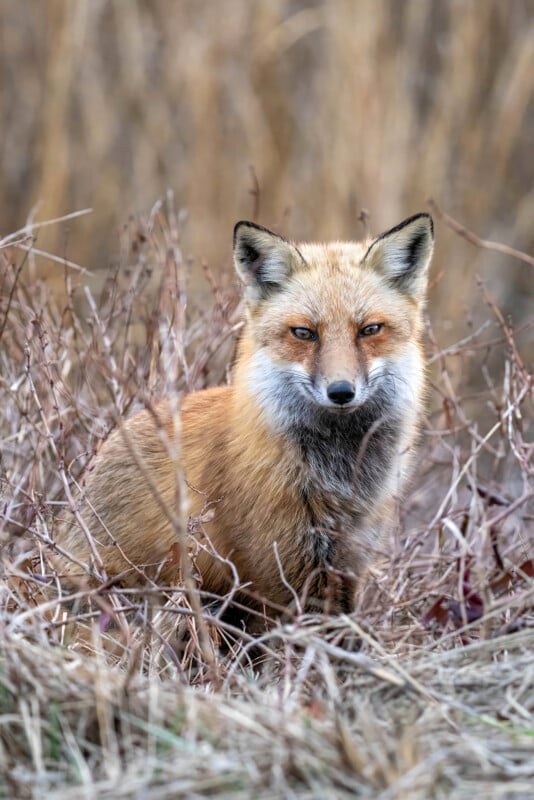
[(256, 454)]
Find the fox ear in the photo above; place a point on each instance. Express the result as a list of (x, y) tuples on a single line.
[(403, 254), (263, 260)]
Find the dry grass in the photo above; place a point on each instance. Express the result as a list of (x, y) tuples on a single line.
[(337, 105), (109, 694)]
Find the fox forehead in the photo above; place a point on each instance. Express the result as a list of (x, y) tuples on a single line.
[(334, 286), (334, 256)]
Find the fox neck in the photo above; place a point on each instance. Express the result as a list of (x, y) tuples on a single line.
[(347, 453)]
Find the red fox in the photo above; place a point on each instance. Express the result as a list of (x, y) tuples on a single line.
[(299, 461)]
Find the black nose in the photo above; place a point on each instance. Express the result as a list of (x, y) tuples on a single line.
[(340, 392)]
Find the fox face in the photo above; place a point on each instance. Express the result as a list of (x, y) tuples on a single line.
[(334, 328)]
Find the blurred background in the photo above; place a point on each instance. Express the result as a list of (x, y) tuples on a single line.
[(328, 106)]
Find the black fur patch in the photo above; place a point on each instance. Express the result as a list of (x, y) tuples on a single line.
[(321, 545), (414, 251), (248, 254), (347, 459), (348, 455)]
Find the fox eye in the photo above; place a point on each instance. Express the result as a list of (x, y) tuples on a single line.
[(371, 330), (304, 334)]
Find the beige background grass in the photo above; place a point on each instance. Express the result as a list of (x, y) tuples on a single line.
[(336, 106)]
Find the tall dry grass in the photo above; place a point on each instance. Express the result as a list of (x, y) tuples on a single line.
[(337, 106), (426, 691)]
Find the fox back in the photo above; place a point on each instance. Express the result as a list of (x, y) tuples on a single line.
[(295, 467)]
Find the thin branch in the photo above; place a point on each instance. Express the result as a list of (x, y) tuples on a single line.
[(471, 237), (27, 229), (65, 262)]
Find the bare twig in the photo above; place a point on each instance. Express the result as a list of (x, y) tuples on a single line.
[(471, 237)]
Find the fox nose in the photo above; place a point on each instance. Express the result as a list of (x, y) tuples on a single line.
[(340, 392)]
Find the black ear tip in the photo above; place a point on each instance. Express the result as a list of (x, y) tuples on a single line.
[(430, 222), (245, 223), (428, 217), (240, 224), (423, 216)]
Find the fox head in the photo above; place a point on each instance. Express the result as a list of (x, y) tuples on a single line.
[(333, 327)]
